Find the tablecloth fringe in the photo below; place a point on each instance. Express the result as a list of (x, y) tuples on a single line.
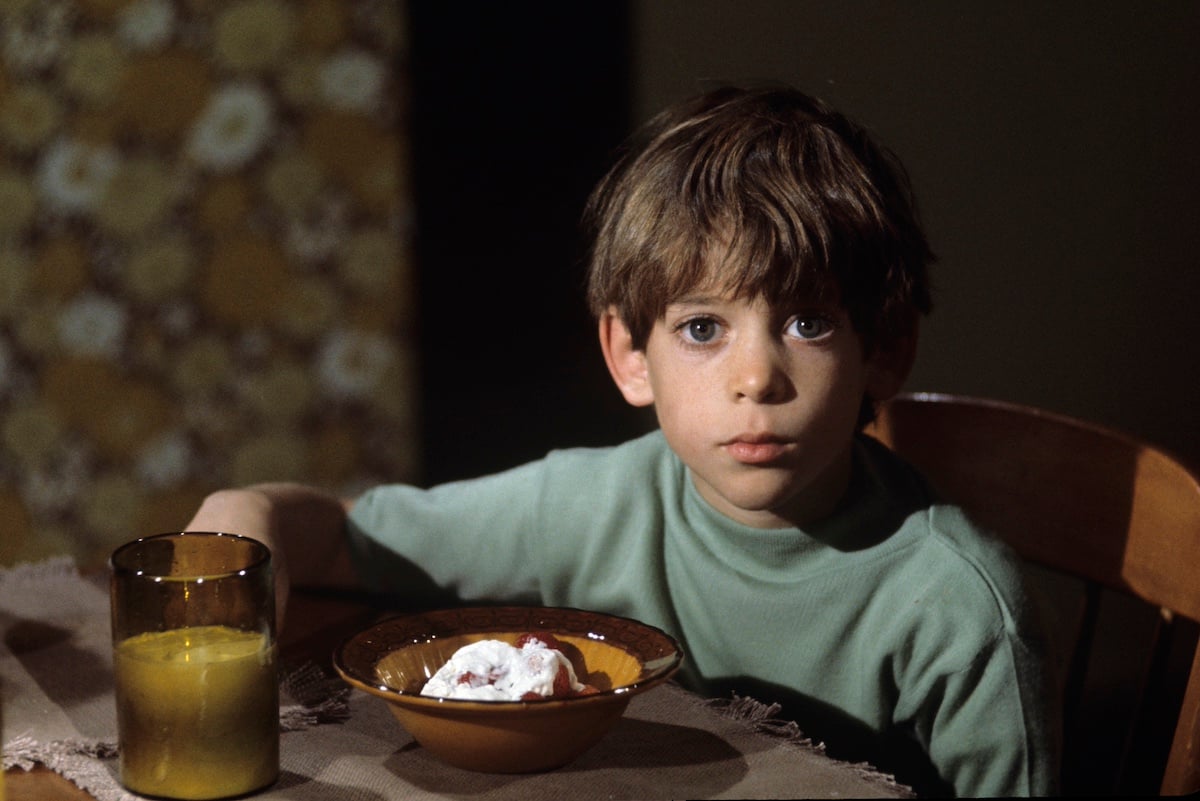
[(24, 752), (79, 761), (764, 718)]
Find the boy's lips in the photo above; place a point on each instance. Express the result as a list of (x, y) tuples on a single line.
[(756, 448)]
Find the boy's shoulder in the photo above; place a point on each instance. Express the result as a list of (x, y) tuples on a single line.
[(638, 470), (647, 451), (944, 538), (906, 488)]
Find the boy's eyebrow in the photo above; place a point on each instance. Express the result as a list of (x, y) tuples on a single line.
[(697, 300)]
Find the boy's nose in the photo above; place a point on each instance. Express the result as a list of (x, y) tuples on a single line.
[(758, 373)]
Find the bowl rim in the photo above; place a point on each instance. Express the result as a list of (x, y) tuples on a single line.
[(654, 672)]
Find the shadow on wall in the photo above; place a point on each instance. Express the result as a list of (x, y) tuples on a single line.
[(204, 260)]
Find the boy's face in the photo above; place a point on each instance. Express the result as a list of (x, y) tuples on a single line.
[(760, 402)]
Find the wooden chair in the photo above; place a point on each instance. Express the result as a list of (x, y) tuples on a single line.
[(1111, 527)]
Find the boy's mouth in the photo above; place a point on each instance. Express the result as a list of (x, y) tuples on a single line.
[(756, 448)]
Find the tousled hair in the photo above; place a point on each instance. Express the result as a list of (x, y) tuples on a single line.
[(758, 192)]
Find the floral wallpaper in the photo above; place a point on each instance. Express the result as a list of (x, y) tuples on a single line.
[(204, 259)]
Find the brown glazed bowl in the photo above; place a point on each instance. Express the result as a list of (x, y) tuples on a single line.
[(620, 657)]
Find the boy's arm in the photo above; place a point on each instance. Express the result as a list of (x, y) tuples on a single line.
[(304, 527)]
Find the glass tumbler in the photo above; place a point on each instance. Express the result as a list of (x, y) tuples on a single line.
[(197, 689)]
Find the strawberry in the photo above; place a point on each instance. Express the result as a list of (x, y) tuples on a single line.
[(562, 683)]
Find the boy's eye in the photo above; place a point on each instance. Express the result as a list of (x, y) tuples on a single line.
[(700, 330), (809, 327)]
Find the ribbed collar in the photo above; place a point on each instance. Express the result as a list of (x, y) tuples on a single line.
[(883, 492)]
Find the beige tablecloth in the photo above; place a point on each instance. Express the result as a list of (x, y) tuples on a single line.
[(56, 674)]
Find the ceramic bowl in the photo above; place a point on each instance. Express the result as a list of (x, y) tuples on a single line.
[(620, 657)]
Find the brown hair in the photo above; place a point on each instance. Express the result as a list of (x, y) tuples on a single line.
[(765, 192)]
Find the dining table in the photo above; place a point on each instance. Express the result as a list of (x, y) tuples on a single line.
[(58, 727)]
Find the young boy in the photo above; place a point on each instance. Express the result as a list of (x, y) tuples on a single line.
[(758, 273)]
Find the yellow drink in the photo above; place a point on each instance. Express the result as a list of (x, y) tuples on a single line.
[(198, 711)]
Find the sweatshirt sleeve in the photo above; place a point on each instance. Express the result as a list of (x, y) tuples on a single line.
[(978, 688), (461, 541), (987, 734)]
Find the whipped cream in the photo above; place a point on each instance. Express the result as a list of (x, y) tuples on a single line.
[(491, 670)]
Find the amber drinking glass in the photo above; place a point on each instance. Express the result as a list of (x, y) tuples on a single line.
[(193, 624)]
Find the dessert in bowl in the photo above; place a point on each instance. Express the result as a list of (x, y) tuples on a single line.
[(615, 658)]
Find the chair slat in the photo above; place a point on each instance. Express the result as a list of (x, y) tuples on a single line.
[(1182, 774)]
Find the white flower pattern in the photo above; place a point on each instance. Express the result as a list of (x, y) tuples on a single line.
[(352, 363), (353, 79), (233, 128), (92, 325), (73, 175), (146, 24)]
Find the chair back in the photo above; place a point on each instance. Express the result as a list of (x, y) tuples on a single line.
[(1111, 529)]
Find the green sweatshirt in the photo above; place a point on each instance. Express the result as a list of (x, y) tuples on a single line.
[(893, 630)]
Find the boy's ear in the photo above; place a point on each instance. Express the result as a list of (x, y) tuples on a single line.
[(888, 366), (626, 364)]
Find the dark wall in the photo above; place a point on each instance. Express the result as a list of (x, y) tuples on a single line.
[(1053, 149), (517, 109)]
